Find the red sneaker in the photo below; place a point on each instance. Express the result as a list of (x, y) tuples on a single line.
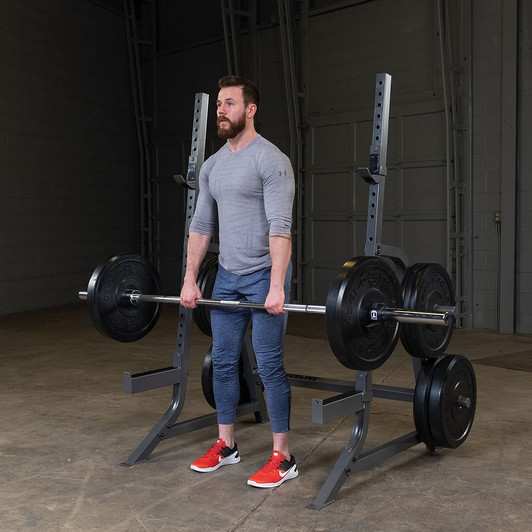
[(275, 472), (218, 455)]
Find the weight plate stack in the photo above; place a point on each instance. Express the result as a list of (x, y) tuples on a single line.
[(424, 287), (445, 401)]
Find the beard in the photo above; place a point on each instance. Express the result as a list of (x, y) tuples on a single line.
[(234, 127)]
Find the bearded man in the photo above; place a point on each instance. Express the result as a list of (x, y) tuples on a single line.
[(247, 188)]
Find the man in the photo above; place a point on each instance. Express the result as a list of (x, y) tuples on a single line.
[(247, 187)]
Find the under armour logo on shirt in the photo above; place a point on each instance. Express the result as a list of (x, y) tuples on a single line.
[(281, 173)]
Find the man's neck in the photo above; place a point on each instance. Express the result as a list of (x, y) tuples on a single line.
[(242, 139)]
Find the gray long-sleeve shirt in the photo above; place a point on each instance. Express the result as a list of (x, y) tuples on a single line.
[(250, 192)]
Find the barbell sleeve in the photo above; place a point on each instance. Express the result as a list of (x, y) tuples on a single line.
[(414, 316), (445, 308)]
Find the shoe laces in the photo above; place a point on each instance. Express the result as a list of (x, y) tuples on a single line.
[(273, 463), (216, 448)]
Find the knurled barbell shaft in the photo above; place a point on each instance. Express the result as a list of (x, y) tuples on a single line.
[(404, 316), (290, 307), (134, 297)]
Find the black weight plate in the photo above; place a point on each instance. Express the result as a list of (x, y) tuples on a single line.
[(407, 287), (357, 341), (452, 401), (409, 282), (210, 279), (201, 313), (409, 300), (112, 313), (430, 286), (406, 283), (205, 282), (206, 381), (197, 313), (421, 402)]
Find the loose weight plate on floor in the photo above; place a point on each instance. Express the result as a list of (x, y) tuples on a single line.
[(111, 310), (356, 340), (424, 287)]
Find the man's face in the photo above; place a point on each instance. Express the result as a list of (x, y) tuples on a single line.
[(231, 113)]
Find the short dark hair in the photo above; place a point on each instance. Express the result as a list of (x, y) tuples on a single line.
[(249, 89)]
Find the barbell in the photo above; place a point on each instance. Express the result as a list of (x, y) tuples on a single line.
[(362, 311)]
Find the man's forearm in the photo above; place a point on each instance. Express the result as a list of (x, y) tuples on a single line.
[(280, 251), (198, 245)]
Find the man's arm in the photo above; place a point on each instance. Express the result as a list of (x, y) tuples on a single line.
[(198, 245), (280, 251)]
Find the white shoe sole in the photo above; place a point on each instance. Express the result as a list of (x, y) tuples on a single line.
[(292, 473), (225, 461)]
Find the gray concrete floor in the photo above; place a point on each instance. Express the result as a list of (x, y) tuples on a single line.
[(66, 425)]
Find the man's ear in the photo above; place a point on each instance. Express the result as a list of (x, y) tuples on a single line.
[(252, 110)]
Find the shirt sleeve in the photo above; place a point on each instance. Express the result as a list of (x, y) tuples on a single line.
[(205, 213), (278, 189)]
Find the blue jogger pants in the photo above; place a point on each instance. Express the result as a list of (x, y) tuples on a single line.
[(229, 325)]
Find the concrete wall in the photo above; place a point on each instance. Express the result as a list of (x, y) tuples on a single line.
[(67, 155)]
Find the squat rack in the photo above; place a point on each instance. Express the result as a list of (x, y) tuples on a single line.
[(356, 398), (353, 397)]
